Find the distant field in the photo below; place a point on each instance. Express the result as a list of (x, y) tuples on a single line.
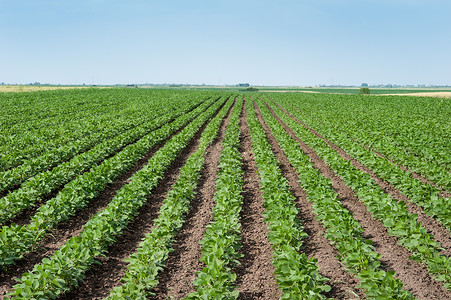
[(425, 92), (34, 88), (353, 91)]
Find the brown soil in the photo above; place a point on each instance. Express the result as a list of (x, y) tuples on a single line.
[(72, 227), (315, 245), (176, 280), (102, 278), (442, 192), (24, 217), (6, 192), (256, 273), (414, 275), (440, 233), (64, 231)]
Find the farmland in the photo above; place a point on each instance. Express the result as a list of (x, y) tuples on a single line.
[(203, 194)]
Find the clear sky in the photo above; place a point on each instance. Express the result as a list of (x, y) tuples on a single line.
[(226, 42)]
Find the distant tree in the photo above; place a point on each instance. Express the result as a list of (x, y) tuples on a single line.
[(364, 91), (364, 84), (250, 89)]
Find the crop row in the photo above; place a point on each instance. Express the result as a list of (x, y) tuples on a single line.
[(28, 143), (144, 265), (417, 126), (392, 213), (67, 266), (297, 276), (426, 196), (20, 108), (43, 128), (42, 184), (40, 146), (32, 111), (15, 240), (221, 240), (435, 173), (53, 157), (19, 147), (344, 232)]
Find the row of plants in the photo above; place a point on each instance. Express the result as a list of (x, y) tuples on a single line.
[(84, 120), (21, 107), (32, 111), (26, 168), (435, 173), (392, 213), (29, 143), (344, 232), (41, 128), (221, 240), (417, 126), (70, 127), (149, 259), (426, 196), (67, 266), (35, 188), (103, 131), (297, 276), (15, 240)]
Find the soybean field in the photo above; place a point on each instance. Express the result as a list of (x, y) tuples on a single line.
[(186, 194)]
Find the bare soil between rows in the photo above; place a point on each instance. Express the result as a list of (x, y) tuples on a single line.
[(255, 274), (176, 279), (103, 277), (343, 284), (73, 227), (24, 217), (437, 230), (442, 192), (415, 276), (256, 278)]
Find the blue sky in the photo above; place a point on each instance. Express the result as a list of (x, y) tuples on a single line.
[(225, 42)]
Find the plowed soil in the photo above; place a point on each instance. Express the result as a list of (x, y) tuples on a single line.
[(176, 280), (255, 273), (394, 257)]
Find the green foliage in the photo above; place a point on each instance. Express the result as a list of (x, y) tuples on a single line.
[(67, 266), (344, 232), (77, 193), (391, 212), (250, 89), (425, 195), (221, 240), (64, 140), (35, 188), (296, 275), (364, 91), (149, 258)]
